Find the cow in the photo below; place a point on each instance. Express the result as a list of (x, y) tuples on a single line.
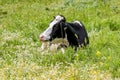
[(74, 32)]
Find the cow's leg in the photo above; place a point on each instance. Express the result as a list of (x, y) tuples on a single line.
[(75, 52), (44, 46)]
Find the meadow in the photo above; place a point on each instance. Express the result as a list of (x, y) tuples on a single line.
[(22, 21)]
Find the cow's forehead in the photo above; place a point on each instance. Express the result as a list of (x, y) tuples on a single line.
[(58, 17)]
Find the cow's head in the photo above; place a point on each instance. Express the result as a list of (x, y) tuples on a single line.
[(55, 29)]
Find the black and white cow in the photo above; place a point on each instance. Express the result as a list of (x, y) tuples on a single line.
[(74, 32)]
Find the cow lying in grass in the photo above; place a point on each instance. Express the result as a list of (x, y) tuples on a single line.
[(74, 32)]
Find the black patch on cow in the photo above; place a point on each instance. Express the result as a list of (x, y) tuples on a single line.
[(77, 34), (58, 31)]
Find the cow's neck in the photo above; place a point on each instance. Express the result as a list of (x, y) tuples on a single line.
[(71, 36)]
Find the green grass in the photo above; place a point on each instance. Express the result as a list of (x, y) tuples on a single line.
[(21, 22)]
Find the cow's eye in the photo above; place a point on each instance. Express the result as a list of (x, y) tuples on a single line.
[(55, 27)]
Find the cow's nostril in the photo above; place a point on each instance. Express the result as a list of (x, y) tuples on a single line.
[(41, 37)]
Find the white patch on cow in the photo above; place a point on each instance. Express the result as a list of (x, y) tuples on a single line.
[(54, 47), (65, 28), (63, 50), (48, 31), (78, 23)]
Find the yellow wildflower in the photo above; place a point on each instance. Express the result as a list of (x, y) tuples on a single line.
[(98, 53), (106, 65), (101, 63), (109, 58)]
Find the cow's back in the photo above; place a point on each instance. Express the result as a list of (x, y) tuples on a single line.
[(81, 32)]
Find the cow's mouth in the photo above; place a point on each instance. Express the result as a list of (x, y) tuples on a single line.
[(44, 38)]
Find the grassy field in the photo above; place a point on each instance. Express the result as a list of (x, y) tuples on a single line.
[(21, 22)]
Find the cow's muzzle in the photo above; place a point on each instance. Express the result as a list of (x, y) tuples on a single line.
[(43, 38)]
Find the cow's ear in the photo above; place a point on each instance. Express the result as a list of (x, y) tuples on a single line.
[(64, 20)]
